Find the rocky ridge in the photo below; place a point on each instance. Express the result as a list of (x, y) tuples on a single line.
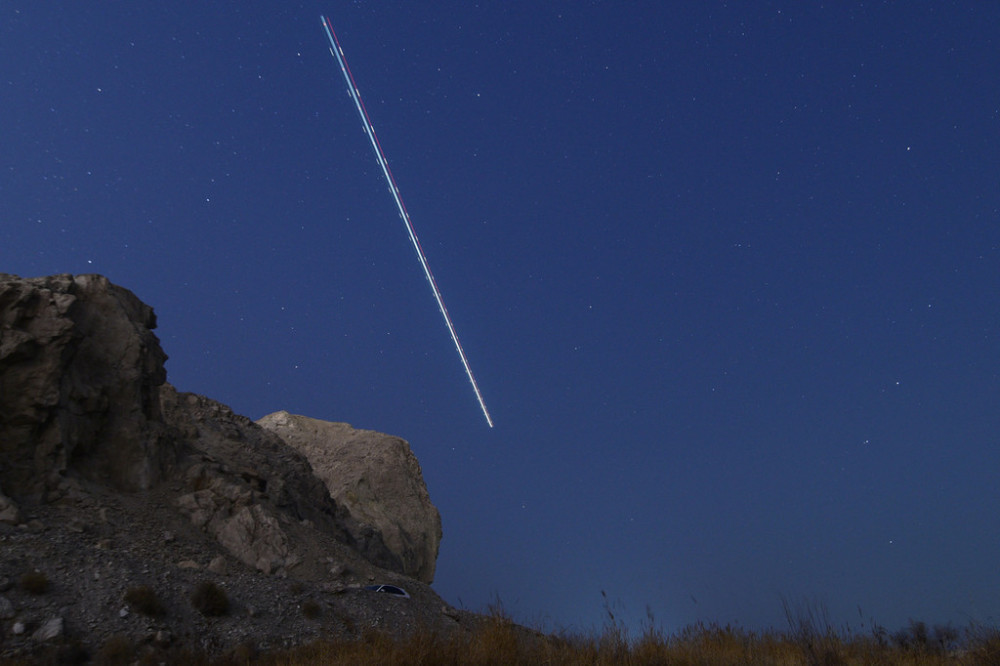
[(116, 489)]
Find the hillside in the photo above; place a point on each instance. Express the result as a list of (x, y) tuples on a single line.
[(132, 512)]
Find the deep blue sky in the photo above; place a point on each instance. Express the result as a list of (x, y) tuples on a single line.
[(728, 274)]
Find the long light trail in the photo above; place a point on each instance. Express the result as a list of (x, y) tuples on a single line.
[(352, 88)]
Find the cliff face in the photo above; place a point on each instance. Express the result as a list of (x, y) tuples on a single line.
[(80, 371), (104, 464), (376, 478)]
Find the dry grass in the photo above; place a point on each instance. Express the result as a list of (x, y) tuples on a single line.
[(34, 582), (311, 609), (498, 640), (209, 599), (144, 600)]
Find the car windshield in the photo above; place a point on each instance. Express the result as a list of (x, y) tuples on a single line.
[(388, 589)]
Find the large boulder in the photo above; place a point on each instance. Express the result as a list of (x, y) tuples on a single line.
[(377, 478), (80, 371), (244, 485)]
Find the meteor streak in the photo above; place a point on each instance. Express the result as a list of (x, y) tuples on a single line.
[(352, 89)]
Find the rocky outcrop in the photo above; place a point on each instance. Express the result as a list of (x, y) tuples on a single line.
[(376, 478), (111, 480), (79, 375), (83, 393), (243, 479)]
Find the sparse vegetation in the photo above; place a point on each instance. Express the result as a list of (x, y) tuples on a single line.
[(311, 609), (209, 599), (35, 582), (144, 600), (917, 638), (498, 640), (118, 650)]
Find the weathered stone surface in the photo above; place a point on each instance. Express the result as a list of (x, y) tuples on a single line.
[(80, 371), (239, 466), (246, 529), (6, 608), (218, 565), (8, 510), (53, 628), (377, 478)]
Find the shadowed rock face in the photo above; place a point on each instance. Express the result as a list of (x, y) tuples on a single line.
[(80, 371), (376, 478), (244, 485)]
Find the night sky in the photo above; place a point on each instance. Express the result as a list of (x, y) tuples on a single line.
[(728, 274)]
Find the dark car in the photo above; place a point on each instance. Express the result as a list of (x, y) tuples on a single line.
[(389, 589)]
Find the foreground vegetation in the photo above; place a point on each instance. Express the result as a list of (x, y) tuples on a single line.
[(500, 641), (497, 639)]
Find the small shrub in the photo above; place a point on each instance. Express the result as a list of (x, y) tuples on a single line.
[(984, 644), (349, 625), (35, 582), (209, 599), (946, 637), (66, 651), (913, 638), (116, 651), (311, 609), (244, 653), (144, 600)]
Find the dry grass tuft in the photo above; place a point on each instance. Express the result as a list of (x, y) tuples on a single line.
[(118, 650), (34, 582), (144, 600), (209, 599), (311, 609)]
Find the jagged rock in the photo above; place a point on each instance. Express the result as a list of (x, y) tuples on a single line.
[(52, 628), (377, 478), (218, 565), (6, 609), (8, 510), (256, 538), (240, 465), (79, 375)]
